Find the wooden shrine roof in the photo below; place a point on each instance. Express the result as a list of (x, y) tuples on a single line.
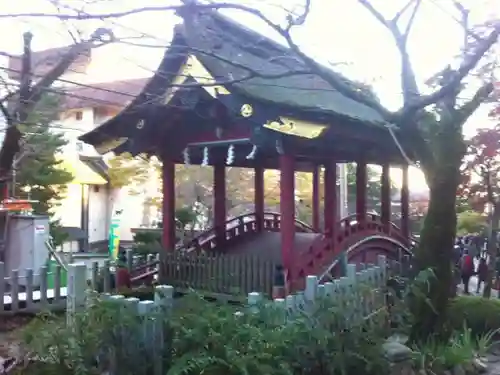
[(226, 49), (212, 34)]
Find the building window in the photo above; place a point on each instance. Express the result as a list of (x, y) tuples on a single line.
[(79, 115), (79, 146)]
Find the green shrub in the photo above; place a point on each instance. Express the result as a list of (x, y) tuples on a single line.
[(212, 339), (101, 332), (480, 315), (460, 350), (147, 237)]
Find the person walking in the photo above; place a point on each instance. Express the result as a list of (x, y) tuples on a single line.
[(466, 270), (482, 273)]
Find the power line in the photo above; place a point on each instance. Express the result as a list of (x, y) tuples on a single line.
[(169, 75), (164, 75)]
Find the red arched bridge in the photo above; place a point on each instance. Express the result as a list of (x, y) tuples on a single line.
[(356, 239)]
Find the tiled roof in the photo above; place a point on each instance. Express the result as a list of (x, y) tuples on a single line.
[(106, 94), (43, 61)]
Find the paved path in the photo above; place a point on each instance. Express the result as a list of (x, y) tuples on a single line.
[(473, 285), (473, 288)]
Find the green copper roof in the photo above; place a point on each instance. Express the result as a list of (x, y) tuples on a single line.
[(211, 35)]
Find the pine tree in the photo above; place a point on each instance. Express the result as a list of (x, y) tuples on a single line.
[(38, 169)]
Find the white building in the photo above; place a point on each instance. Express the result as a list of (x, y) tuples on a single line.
[(86, 103)]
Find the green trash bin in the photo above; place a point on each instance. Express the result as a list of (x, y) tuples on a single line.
[(51, 266)]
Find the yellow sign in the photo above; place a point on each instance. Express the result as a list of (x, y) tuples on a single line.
[(296, 127)]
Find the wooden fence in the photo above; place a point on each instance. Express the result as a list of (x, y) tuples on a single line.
[(360, 292), (218, 276), (224, 274)]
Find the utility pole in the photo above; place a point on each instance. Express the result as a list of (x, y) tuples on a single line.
[(24, 101)]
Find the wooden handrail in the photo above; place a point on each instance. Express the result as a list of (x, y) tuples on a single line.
[(210, 233), (250, 218)]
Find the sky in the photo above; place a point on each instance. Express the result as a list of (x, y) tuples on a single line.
[(337, 32)]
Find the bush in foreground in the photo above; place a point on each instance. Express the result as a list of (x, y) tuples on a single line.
[(480, 315), (459, 352), (212, 339)]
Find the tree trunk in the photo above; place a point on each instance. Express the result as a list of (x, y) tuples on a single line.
[(436, 251), (492, 251)]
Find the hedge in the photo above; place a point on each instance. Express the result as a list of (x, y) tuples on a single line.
[(480, 314)]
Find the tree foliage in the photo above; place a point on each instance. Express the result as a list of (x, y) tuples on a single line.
[(480, 172), (23, 100), (126, 170), (481, 184), (470, 222), (39, 169)]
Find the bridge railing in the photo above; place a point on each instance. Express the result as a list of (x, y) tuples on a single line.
[(240, 225), (234, 228), (351, 233)]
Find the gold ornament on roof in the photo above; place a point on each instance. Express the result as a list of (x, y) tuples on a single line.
[(246, 110), (296, 127)]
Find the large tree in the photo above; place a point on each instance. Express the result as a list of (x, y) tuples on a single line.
[(38, 169), (19, 101), (427, 127)]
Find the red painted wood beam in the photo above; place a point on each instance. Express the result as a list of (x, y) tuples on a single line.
[(287, 208), (168, 205), (386, 196), (315, 198), (361, 184), (259, 196), (405, 204), (219, 197)]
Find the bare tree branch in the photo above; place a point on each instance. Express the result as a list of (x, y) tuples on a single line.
[(46, 81), (299, 19), (408, 77), (467, 109), (461, 9), (188, 8), (29, 96), (338, 84), (470, 62), (80, 15)]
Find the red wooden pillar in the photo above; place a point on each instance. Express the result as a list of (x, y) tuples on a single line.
[(315, 198), (361, 182), (287, 208), (405, 204), (168, 205), (219, 190), (330, 214), (259, 197), (385, 209)]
